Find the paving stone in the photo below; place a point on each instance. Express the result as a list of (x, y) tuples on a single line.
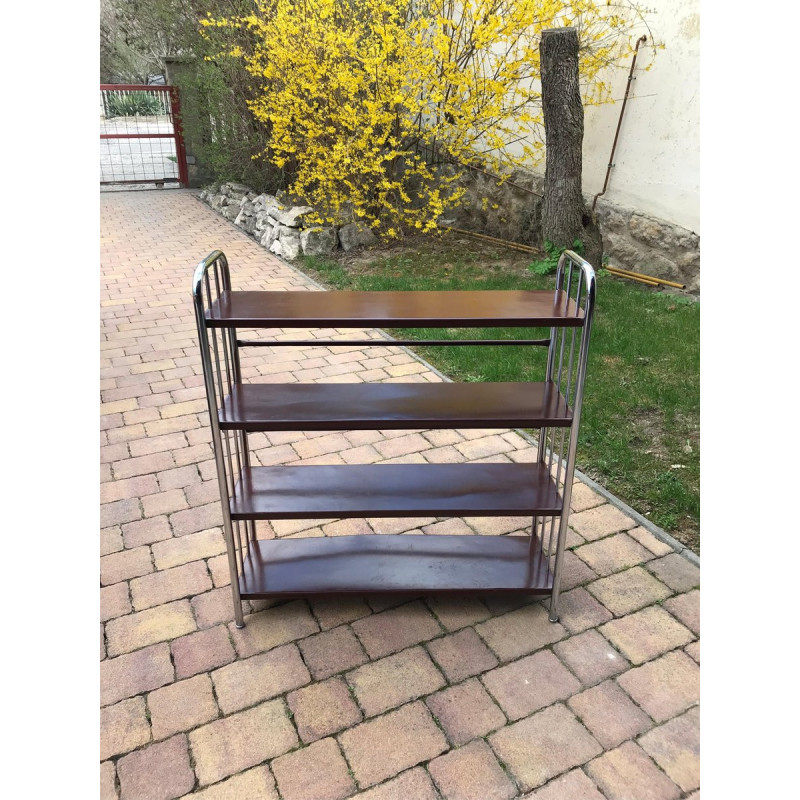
[(254, 784), (693, 650), (181, 706), (114, 601), (574, 572), (124, 565), (332, 651), (485, 446), (333, 611), (578, 610), (584, 498), (412, 785), (134, 673), (520, 632), (230, 745), (273, 627), (600, 521), (396, 629), (529, 684), (646, 634), (628, 772), (458, 612), (382, 747), (213, 607), (111, 540), (159, 772), (195, 546), (471, 773), (462, 655), (171, 584), (497, 526), (676, 571), (648, 540), (395, 680), (609, 714), (347, 527), (590, 657), (665, 687), (245, 683), (628, 591), (133, 631), (146, 531), (388, 525), (540, 747), (613, 554), (123, 727), (323, 709), (317, 772), (575, 785), (108, 775), (675, 747), (202, 651), (466, 711), (220, 572), (119, 511), (686, 608)]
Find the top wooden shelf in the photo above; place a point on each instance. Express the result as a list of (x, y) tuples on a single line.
[(427, 309)]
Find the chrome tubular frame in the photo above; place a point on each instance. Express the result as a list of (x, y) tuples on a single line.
[(217, 376), (576, 279)]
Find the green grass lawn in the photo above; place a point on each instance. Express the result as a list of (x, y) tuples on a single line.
[(641, 417)]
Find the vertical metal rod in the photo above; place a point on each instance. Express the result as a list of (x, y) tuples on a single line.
[(580, 378), (208, 379)]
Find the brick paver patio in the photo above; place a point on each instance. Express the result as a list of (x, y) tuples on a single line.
[(384, 698)]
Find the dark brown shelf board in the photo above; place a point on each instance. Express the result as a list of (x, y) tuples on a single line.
[(396, 406), (426, 309), (395, 563), (395, 490)]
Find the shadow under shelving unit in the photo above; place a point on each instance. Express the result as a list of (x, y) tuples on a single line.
[(367, 564)]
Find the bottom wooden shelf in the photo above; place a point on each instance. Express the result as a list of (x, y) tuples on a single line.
[(407, 564)]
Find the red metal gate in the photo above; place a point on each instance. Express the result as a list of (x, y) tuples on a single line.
[(141, 138)]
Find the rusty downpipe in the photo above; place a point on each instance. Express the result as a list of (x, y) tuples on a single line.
[(641, 40)]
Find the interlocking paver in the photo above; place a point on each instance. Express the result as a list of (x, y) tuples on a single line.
[(163, 549), (323, 709), (382, 747), (471, 773), (396, 629), (230, 745), (159, 772), (628, 591), (539, 747), (529, 684), (181, 706), (628, 772), (245, 683), (646, 634), (609, 714), (134, 673), (394, 680), (466, 711), (664, 687), (317, 772), (675, 747)]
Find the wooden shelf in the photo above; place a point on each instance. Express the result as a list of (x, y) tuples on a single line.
[(431, 309), (403, 564), (392, 406), (395, 490)]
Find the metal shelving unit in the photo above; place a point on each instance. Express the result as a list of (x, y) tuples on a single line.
[(394, 563)]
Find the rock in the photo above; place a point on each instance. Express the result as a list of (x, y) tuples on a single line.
[(291, 218), (269, 236), (230, 212), (235, 188), (276, 247), (217, 202), (289, 239), (264, 201), (318, 241), (262, 220), (355, 235)]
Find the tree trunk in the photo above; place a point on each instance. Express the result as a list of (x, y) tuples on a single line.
[(564, 218)]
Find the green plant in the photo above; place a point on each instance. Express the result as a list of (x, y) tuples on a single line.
[(133, 105), (549, 264)]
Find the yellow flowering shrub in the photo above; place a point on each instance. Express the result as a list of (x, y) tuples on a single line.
[(363, 99)]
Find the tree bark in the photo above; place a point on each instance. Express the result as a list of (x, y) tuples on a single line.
[(564, 218)]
